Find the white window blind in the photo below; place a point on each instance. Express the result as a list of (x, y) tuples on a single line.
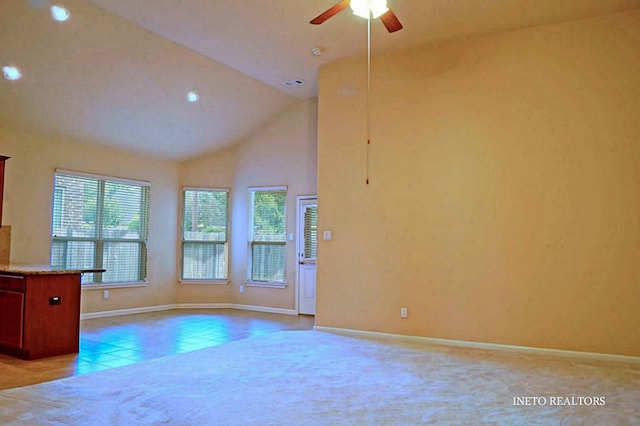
[(310, 232), (267, 235), (205, 234), (100, 222)]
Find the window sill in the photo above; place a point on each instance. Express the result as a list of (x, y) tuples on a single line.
[(114, 285), (266, 284), (204, 282)]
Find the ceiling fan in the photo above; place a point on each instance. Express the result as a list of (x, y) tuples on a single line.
[(364, 9), (367, 9)]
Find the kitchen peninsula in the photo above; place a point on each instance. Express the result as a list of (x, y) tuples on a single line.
[(39, 310)]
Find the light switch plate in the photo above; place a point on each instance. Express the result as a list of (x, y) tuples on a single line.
[(327, 235)]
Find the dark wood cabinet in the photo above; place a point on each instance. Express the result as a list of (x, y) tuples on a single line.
[(2, 160), (11, 318), (39, 314)]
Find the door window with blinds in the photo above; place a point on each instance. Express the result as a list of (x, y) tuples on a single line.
[(205, 234), (100, 222), (310, 233), (267, 235)]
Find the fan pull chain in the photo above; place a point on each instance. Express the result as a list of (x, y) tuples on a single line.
[(368, 94)]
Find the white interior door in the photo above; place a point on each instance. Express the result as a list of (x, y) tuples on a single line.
[(307, 246)]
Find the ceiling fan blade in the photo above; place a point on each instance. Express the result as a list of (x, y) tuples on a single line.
[(391, 22), (330, 12)]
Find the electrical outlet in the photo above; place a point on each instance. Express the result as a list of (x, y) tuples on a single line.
[(105, 294), (241, 289), (404, 312)]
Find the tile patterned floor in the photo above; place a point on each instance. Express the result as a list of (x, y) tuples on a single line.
[(116, 341)]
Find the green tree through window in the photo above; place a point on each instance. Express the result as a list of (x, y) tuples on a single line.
[(204, 234), (268, 236), (100, 222)]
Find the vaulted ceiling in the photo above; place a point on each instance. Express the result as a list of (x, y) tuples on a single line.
[(117, 72)]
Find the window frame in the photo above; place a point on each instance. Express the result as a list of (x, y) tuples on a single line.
[(181, 278), (250, 280), (99, 240)]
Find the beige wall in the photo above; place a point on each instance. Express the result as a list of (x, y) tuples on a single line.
[(210, 171), (28, 202), (504, 203), (282, 153)]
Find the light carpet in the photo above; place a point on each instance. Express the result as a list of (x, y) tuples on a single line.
[(312, 377)]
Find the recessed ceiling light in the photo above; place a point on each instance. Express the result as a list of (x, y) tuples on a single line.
[(59, 13), (11, 73), (317, 51), (192, 96)]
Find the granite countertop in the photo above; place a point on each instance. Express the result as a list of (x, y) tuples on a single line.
[(12, 268)]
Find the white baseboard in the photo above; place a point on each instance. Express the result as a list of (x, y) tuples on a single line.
[(479, 345), (203, 306), (131, 311), (253, 308), (265, 309)]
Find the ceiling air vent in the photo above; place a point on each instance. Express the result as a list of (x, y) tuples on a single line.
[(294, 83)]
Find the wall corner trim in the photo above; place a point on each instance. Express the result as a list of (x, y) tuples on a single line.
[(480, 345)]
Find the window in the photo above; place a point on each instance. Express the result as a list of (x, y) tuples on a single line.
[(204, 234), (100, 222), (267, 235), (310, 233)]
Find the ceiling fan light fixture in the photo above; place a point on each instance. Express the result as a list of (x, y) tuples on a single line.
[(378, 8), (366, 8)]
